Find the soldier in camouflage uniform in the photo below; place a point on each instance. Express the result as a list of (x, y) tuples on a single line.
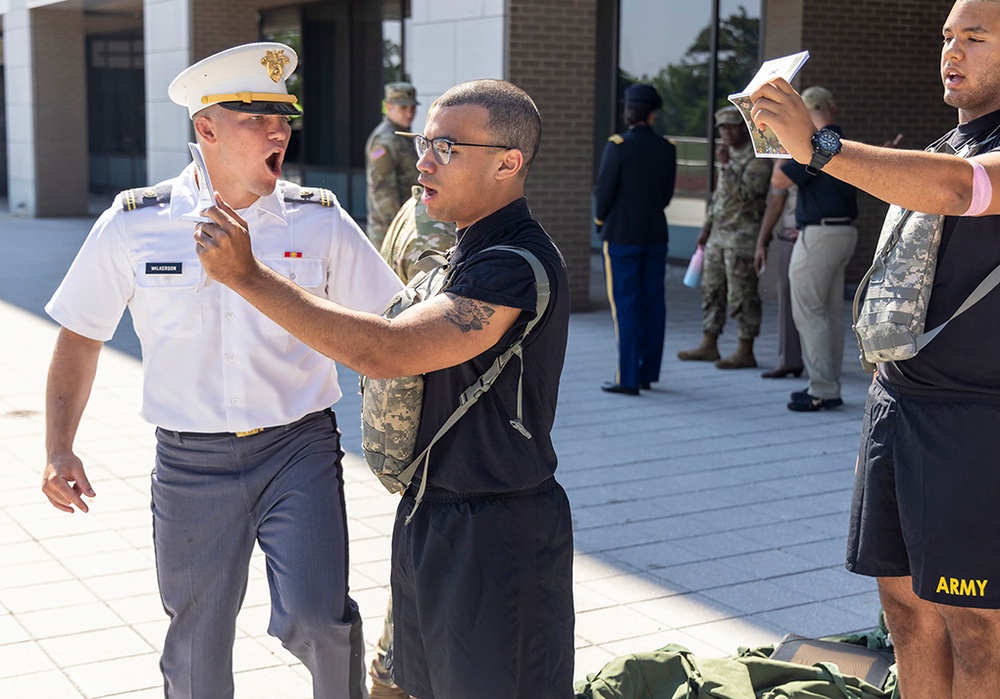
[(411, 233), (390, 160), (730, 236), (382, 685)]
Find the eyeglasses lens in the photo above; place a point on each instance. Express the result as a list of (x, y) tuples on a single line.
[(441, 146)]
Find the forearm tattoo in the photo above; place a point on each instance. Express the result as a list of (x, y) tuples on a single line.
[(469, 315)]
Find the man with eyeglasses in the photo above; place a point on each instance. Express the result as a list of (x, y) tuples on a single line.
[(390, 164), (482, 574)]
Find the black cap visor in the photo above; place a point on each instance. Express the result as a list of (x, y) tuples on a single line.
[(282, 108)]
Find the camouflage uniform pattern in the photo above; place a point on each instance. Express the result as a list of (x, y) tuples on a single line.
[(734, 214), (891, 318), (390, 408), (890, 306), (729, 279), (737, 204), (382, 684), (411, 233), (390, 170)]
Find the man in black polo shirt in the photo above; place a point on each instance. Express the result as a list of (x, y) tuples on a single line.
[(482, 573), (824, 214), (925, 520)]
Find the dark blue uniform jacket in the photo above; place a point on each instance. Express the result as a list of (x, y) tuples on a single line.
[(634, 184)]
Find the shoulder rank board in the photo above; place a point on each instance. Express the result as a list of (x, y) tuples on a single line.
[(314, 195), (141, 197)]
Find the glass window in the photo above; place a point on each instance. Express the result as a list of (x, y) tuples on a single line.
[(347, 50), (668, 43), (393, 14), (285, 26), (116, 112)]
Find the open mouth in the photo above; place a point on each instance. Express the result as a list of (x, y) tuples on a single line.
[(273, 163), (429, 192), (953, 78)]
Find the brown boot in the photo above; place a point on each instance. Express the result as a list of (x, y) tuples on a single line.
[(381, 690), (742, 358), (707, 351)]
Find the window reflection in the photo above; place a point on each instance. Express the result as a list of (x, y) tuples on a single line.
[(393, 14), (668, 43)]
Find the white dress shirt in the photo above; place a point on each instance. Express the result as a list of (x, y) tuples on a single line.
[(212, 362)]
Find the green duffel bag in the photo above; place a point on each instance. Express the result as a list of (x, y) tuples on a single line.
[(673, 672)]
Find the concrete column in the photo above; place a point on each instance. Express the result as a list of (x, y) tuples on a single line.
[(19, 101), (168, 38), (450, 41)]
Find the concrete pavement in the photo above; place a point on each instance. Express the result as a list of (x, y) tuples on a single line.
[(705, 512)]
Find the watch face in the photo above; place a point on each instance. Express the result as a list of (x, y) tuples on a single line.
[(826, 140)]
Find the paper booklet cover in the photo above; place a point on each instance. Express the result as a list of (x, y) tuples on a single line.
[(206, 193), (765, 142)]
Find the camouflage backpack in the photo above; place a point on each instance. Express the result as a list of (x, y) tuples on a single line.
[(413, 232), (890, 306), (390, 408)]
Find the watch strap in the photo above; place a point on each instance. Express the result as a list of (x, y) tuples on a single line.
[(819, 159)]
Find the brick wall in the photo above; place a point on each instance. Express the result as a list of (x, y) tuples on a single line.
[(60, 111), (880, 60), (550, 54), (222, 24)]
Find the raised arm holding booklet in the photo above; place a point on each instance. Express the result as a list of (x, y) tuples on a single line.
[(765, 142)]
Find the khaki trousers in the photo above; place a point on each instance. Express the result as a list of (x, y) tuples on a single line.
[(816, 278)]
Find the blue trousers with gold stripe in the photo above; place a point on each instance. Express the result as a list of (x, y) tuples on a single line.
[(634, 275)]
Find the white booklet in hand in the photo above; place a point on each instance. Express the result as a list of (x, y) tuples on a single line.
[(206, 193), (765, 142)]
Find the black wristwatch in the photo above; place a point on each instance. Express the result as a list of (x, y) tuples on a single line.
[(826, 144)]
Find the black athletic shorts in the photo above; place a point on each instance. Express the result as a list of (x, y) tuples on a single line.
[(927, 494), (482, 596)]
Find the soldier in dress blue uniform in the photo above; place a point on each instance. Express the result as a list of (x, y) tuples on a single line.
[(635, 183)]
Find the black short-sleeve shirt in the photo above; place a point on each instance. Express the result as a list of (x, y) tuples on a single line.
[(820, 195), (483, 452), (963, 357)]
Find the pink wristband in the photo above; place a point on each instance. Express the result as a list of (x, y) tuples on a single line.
[(982, 190)]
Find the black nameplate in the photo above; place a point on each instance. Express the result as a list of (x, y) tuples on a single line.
[(164, 267)]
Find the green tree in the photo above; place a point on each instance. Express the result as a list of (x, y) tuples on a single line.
[(392, 70), (684, 86)]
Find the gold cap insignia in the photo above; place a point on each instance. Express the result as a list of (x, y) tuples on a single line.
[(275, 62)]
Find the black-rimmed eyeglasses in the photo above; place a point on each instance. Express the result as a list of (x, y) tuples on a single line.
[(442, 146)]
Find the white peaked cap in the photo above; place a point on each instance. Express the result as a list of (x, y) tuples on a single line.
[(247, 78)]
